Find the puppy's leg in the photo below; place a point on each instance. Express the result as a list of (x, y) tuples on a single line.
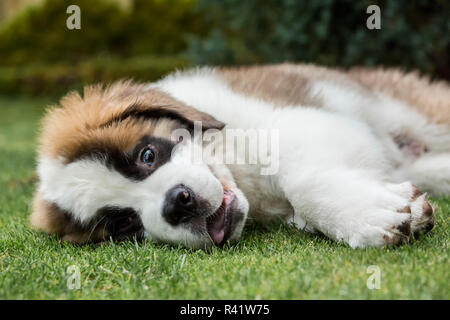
[(353, 206), (430, 172), (417, 143), (425, 157)]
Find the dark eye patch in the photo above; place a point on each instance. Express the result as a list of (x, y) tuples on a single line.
[(128, 163), (120, 223)]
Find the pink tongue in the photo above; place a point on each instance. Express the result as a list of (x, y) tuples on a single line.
[(216, 229)]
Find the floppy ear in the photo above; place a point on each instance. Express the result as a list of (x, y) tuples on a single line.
[(154, 103)]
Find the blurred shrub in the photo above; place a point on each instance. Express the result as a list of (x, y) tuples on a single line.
[(162, 26), (414, 34), (61, 77), (38, 54), (40, 34)]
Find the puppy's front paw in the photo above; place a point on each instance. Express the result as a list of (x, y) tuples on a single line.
[(395, 227)]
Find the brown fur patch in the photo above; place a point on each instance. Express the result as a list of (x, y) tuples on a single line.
[(48, 217), (273, 84), (431, 98), (288, 84), (427, 209), (416, 193), (406, 209)]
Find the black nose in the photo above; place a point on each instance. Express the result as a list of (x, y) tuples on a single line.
[(180, 205)]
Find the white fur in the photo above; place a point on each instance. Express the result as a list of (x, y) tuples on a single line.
[(338, 165)]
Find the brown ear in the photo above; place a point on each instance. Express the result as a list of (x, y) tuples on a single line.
[(189, 115), (68, 129), (154, 103), (48, 217)]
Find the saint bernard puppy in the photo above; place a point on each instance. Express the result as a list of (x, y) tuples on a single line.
[(353, 154)]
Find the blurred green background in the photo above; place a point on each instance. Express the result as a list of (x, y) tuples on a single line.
[(145, 39)]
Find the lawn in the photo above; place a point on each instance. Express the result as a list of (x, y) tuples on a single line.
[(275, 263)]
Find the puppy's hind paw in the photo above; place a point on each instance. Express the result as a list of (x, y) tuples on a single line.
[(422, 213), (421, 220)]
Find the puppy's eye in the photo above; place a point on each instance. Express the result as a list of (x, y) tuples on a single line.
[(148, 156)]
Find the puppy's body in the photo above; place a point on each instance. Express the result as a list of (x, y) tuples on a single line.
[(350, 149)]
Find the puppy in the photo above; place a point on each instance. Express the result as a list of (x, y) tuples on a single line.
[(351, 154)]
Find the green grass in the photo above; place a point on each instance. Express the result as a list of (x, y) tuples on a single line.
[(277, 263)]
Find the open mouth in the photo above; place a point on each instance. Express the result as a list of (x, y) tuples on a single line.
[(219, 224)]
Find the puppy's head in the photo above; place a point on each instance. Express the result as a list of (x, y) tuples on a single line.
[(110, 168)]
